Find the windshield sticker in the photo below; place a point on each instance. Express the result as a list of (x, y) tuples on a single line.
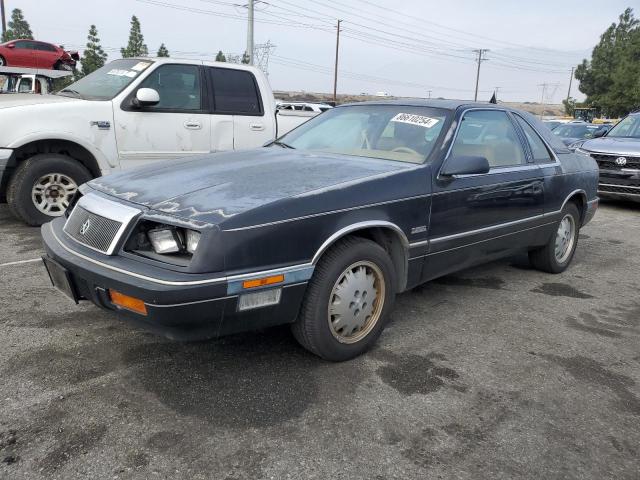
[(419, 120), (140, 66), (122, 73)]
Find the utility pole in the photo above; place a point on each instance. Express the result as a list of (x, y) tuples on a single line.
[(250, 6), (335, 72), (570, 80), (4, 22), (429, 94), (480, 59), (544, 90)]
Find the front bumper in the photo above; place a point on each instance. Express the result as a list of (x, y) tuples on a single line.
[(177, 309), (620, 183)]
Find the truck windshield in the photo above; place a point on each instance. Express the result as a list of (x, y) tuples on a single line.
[(106, 82), (628, 127), (392, 132)]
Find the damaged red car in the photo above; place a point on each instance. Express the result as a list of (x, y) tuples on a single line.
[(36, 54)]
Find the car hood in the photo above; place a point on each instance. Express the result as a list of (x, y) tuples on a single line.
[(23, 99), (216, 187), (614, 145)]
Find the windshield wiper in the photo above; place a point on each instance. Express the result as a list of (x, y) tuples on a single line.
[(283, 144), (74, 92)]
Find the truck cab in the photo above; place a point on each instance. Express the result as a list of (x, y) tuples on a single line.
[(128, 113)]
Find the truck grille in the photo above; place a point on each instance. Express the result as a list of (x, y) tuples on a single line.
[(92, 230), (608, 162)]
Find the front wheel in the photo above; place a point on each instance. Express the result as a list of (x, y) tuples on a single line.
[(42, 186), (557, 254), (348, 300)]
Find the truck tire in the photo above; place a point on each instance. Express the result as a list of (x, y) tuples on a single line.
[(348, 300), (41, 187), (557, 254)]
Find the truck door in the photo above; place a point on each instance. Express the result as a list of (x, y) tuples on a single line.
[(178, 125), (237, 97)]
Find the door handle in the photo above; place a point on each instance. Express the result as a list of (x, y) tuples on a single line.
[(257, 127), (192, 125)]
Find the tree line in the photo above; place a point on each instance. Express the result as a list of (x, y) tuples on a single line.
[(611, 78), (94, 55)]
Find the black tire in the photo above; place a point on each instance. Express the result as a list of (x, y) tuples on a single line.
[(544, 258), (3, 62), (28, 173), (312, 329)]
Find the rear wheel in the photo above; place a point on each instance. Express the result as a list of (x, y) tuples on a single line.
[(557, 254), (42, 186), (3, 62), (348, 300)]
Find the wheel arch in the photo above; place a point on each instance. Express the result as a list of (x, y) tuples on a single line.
[(579, 197), (72, 148), (386, 234)]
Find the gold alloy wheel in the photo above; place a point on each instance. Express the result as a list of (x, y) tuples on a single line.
[(356, 302)]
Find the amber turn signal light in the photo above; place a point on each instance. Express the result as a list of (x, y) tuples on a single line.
[(127, 302), (262, 282)]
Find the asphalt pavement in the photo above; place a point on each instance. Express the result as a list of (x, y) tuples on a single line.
[(498, 372)]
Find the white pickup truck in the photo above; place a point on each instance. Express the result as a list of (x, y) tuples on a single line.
[(128, 113)]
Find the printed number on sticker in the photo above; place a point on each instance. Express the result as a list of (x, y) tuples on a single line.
[(421, 121)]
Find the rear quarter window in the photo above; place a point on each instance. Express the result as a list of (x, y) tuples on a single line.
[(235, 92)]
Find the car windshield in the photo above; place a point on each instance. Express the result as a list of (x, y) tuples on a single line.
[(391, 132), (628, 127), (575, 131), (106, 82)]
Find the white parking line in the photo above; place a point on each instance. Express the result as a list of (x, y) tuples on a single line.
[(20, 262)]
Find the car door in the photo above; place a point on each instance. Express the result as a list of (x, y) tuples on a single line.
[(177, 126), (22, 54), (46, 55), (237, 99), (478, 217)]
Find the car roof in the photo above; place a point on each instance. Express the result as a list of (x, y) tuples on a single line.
[(190, 61), (434, 103)]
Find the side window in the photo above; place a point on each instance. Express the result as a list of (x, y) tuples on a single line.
[(23, 45), (489, 134), (45, 47), (235, 91), (538, 148), (178, 87)]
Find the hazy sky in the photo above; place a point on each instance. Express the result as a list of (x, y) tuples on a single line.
[(403, 47)]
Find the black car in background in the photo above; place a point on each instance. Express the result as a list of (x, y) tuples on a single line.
[(570, 133), (618, 155), (325, 226)]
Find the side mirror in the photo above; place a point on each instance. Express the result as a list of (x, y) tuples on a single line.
[(599, 133), (465, 165), (146, 97)]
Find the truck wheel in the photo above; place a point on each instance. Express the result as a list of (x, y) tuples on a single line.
[(557, 254), (41, 187), (348, 300)]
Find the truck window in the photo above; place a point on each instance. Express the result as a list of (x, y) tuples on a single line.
[(235, 92), (178, 87)]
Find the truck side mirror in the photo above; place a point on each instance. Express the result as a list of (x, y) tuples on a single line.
[(146, 97)]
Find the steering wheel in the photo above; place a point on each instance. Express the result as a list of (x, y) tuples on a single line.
[(405, 150)]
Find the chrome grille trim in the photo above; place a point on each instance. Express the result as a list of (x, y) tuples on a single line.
[(103, 221)]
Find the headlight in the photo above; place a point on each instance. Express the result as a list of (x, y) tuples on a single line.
[(165, 240), (193, 238), (168, 239), (581, 150)]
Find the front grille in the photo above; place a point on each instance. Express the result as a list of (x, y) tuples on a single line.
[(91, 230), (608, 162), (608, 188)]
